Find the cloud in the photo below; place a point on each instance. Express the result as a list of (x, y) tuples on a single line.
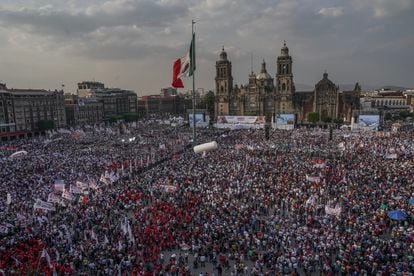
[(331, 12), (48, 21), (140, 38), (383, 8), (116, 29)]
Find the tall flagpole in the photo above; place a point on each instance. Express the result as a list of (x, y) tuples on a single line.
[(192, 68)]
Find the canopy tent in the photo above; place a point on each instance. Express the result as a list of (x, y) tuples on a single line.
[(397, 215)]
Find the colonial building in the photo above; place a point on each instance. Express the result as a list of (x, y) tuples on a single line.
[(29, 111), (265, 96), (385, 102), (83, 111), (157, 104), (328, 101), (115, 101), (326, 98)]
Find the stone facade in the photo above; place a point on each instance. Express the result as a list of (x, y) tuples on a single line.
[(265, 96), (326, 98), (260, 97), (157, 104), (83, 111), (115, 101), (22, 110)]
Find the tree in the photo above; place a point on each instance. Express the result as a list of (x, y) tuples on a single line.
[(313, 117), (338, 121), (210, 99), (115, 118), (45, 125), (388, 117), (404, 114), (327, 119), (130, 117)]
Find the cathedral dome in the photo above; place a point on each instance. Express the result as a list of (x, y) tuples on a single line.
[(325, 81), (223, 54), (263, 75)]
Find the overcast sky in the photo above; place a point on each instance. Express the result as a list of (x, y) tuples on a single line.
[(132, 43)]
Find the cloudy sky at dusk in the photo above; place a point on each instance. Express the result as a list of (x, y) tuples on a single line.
[(132, 43)]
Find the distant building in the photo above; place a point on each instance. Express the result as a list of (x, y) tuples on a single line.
[(23, 111), (86, 88), (115, 101), (155, 104), (168, 92), (82, 111), (409, 94), (387, 102)]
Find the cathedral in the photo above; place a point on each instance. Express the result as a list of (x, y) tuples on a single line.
[(266, 96)]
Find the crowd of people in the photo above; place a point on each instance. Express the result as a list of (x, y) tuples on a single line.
[(138, 201)]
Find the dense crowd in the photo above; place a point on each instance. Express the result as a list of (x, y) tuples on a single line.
[(144, 203)]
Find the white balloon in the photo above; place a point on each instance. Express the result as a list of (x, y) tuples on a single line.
[(205, 147), (19, 153)]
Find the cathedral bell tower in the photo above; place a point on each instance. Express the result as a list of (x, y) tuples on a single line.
[(284, 81), (224, 85)]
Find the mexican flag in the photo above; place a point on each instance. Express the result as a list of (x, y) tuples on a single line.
[(185, 66)]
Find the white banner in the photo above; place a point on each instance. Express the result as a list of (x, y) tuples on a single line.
[(333, 211), (67, 195), (81, 185), (315, 179), (169, 188), (40, 204), (239, 126), (391, 156), (52, 198), (320, 164), (241, 119), (75, 190), (59, 187), (93, 185)]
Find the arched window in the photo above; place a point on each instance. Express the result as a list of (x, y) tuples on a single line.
[(280, 68), (287, 68), (222, 88), (283, 87)]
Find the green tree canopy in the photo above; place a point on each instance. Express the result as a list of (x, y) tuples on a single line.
[(45, 125), (209, 99), (313, 117), (130, 117)]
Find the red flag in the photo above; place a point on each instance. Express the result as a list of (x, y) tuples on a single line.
[(85, 200), (177, 82)]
